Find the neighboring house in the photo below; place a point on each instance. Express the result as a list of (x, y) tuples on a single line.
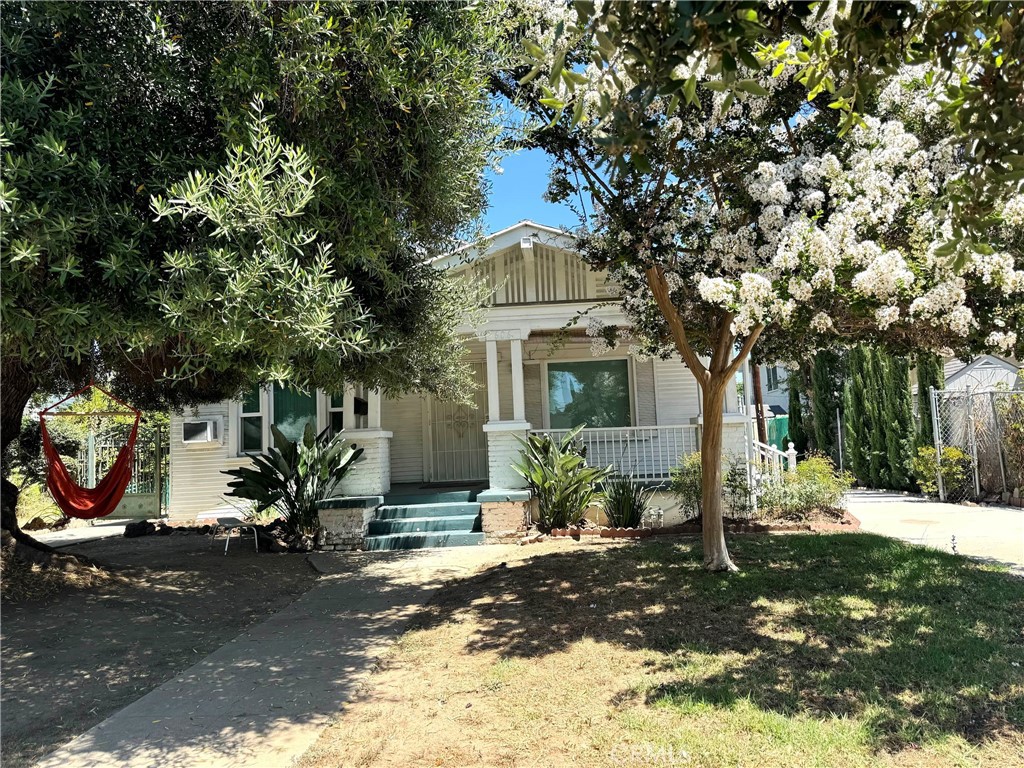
[(775, 388), (532, 374), (983, 373)]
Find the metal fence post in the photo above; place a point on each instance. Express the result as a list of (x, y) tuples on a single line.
[(937, 433), (999, 440), (974, 443)]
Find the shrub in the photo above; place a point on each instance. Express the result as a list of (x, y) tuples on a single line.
[(685, 484), (956, 471), (736, 486), (558, 475), (294, 476), (816, 485), (626, 501)]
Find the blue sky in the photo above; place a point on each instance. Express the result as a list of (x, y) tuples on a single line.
[(518, 194)]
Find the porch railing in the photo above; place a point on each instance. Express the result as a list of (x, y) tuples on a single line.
[(645, 453), (772, 461)]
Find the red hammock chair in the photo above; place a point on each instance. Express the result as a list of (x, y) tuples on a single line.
[(73, 499)]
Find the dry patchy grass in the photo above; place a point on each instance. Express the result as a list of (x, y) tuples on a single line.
[(843, 650)]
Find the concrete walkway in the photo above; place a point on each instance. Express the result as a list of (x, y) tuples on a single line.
[(101, 529), (995, 534), (261, 700)]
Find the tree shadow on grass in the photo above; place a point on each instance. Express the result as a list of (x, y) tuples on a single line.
[(915, 643)]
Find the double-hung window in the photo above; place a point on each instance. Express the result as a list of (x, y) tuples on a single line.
[(772, 374), (288, 409)]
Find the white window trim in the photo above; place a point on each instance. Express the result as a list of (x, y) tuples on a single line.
[(235, 413), (630, 375)]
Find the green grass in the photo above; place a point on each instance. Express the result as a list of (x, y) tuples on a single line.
[(896, 645), (826, 650)]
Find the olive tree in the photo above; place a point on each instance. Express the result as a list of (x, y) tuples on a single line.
[(196, 197)]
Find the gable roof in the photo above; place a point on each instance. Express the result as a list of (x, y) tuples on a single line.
[(983, 368), (505, 238)]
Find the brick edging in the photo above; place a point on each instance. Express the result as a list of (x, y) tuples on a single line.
[(848, 523)]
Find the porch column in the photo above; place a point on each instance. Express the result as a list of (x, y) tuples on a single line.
[(373, 409), (348, 407), (518, 392), (493, 406), (371, 476), (503, 448)]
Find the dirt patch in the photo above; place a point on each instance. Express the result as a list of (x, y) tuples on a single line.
[(74, 658)]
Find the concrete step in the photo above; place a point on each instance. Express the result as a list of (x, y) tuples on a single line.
[(422, 540), (441, 497), (455, 523), (448, 509)]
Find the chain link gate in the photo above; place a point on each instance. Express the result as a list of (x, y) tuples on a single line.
[(979, 442)]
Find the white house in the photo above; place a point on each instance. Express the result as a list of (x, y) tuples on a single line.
[(775, 388), (532, 375)]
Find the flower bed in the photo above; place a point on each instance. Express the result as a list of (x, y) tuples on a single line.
[(847, 523)]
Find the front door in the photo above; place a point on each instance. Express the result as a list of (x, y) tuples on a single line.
[(458, 446)]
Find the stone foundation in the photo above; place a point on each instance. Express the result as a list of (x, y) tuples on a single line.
[(504, 515), (344, 522)]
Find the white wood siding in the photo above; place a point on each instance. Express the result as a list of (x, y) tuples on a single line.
[(404, 418), (646, 407), (678, 397), (197, 484)]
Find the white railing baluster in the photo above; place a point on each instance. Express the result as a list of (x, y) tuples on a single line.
[(648, 453)]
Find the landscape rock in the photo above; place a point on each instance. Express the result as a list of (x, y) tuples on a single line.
[(139, 528)]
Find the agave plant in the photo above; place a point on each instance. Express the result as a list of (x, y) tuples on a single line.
[(294, 475), (557, 474), (626, 501)]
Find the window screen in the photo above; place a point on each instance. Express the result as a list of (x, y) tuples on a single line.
[(251, 422), (594, 393), (293, 410)]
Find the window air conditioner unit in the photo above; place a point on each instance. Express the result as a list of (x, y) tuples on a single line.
[(200, 431)]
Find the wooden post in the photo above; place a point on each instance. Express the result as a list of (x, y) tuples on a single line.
[(755, 383), (518, 393), (493, 404)]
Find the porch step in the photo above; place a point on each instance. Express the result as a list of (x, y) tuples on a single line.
[(407, 510), (441, 497), (422, 540), (452, 523), (419, 526)]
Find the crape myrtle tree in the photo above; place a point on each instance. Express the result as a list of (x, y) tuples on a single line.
[(750, 210), (197, 197)]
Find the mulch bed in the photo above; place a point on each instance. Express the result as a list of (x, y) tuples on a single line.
[(818, 523)]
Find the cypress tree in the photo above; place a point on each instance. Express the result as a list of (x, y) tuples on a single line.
[(898, 421), (855, 419), (797, 433), (874, 401), (929, 374), (827, 374)]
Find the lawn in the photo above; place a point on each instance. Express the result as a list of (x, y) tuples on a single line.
[(839, 650)]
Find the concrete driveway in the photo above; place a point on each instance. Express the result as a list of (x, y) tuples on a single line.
[(995, 534)]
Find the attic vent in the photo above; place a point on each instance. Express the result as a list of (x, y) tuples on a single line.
[(526, 243)]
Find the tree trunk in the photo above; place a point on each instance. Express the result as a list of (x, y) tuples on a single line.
[(716, 554), (758, 400), (18, 387)]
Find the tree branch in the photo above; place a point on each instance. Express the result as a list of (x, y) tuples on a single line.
[(659, 287), (748, 344), (720, 357), (792, 139)]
